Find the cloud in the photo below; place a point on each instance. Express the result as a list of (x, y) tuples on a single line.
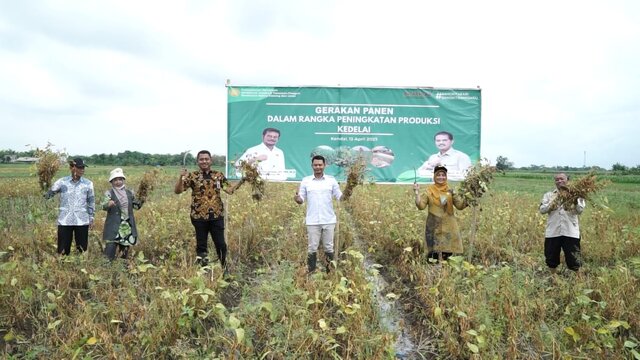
[(557, 79)]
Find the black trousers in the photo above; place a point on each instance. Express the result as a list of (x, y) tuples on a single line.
[(214, 227), (67, 233), (571, 248)]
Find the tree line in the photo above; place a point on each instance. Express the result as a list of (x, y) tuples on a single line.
[(125, 158), (503, 164)]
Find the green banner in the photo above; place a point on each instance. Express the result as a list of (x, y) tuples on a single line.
[(401, 132)]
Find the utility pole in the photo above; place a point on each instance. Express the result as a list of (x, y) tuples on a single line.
[(584, 165)]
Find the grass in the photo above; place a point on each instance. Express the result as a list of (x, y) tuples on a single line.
[(500, 304)]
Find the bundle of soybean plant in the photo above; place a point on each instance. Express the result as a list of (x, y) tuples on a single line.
[(355, 176), (584, 188), (47, 165), (474, 185), (476, 182), (147, 184), (251, 175)]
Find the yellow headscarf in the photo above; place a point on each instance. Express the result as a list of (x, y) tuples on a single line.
[(435, 191)]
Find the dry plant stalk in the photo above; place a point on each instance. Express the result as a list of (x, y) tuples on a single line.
[(476, 182), (147, 184), (47, 165), (355, 176), (251, 175), (584, 188)]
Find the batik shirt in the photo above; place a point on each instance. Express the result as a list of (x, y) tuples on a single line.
[(77, 201), (206, 203), (442, 232)]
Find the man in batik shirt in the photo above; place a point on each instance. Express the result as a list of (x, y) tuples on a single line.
[(207, 209)]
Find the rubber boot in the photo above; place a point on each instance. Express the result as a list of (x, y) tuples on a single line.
[(311, 262), (329, 257)]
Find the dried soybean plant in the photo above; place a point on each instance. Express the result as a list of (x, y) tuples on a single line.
[(355, 176), (476, 182), (251, 175), (584, 188), (474, 185), (48, 164), (147, 184)]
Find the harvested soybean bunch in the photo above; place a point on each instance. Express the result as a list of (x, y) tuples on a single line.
[(47, 165), (476, 182), (585, 187), (147, 184), (355, 176), (251, 175), (474, 185)]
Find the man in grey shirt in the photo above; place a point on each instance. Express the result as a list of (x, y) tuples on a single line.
[(563, 228)]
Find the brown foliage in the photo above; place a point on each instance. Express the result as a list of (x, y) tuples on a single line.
[(47, 166), (147, 184), (355, 176), (251, 175), (583, 188), (476, 182)]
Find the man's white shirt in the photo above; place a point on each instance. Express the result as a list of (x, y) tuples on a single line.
[(318, 194), (455, 161), (273, 167)]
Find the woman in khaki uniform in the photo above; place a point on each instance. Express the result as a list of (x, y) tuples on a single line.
[(442, 233)]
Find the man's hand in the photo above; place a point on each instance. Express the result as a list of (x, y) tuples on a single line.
[(298, 199), (180, 184), (554, 203)]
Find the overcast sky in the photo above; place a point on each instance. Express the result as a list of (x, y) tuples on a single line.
[(559, 78)]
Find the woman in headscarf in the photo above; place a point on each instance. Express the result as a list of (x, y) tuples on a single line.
[(120, 230), (442, 233)]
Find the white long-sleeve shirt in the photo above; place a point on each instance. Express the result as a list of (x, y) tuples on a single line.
[(455, 161), (561, 222), (273, 167), (318, 193)]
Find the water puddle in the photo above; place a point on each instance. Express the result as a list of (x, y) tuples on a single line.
[(392, 317)]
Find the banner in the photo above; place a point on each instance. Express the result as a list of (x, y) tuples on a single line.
[(400, 132)]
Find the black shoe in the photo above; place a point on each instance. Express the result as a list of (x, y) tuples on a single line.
[(202, 260)]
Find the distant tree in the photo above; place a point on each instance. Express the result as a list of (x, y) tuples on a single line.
[(218, 160), (618, 167), (126, 158), (503, 163)]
